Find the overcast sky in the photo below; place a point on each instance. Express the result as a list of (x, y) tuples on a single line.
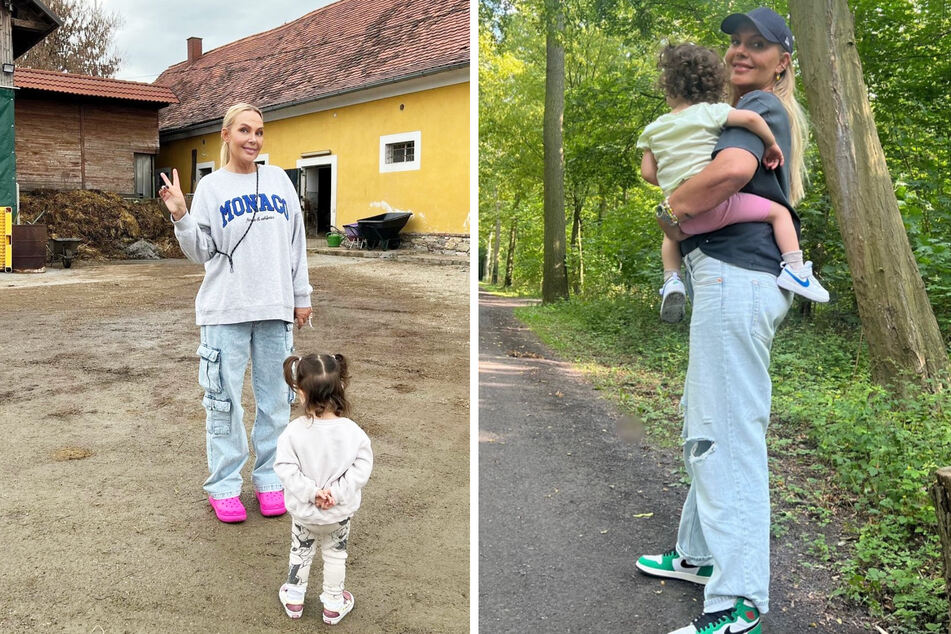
[(152, 35)]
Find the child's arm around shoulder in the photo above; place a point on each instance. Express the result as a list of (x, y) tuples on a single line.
[(773, 155), (357, 474)]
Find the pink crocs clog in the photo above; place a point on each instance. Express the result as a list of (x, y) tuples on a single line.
[(271, 503), (228, 510)]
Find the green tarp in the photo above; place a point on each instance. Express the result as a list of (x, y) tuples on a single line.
[(8, 160)]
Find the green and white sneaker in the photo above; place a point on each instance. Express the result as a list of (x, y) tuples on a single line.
[(673, 566), (742, 618)]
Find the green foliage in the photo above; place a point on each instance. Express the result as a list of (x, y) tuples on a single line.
[(884, 451), (611, 48)]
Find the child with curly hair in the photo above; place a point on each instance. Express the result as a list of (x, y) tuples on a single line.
[(679, 144), (324, 460)]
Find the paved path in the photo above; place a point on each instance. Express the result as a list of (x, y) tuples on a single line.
[(559, 496), (562, 500)]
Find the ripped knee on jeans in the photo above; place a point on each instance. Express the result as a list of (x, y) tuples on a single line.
[(698, 449)]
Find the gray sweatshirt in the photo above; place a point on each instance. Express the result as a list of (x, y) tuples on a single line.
[(270, 265), (319, 453)]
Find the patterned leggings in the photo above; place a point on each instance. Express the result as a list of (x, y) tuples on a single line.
[(332, 540)]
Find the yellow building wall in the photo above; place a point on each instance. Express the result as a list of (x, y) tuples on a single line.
[(437, 194)]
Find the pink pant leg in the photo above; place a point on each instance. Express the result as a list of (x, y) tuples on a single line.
[(739, 207)]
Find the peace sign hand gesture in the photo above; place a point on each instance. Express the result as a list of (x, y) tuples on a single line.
[(171, 194)]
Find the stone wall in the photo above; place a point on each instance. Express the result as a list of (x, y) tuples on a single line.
[(443, 243)]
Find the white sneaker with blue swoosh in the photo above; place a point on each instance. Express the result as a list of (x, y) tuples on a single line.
[(802, 282), (742, 618)]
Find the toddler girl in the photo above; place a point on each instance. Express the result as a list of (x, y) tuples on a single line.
[(324, 460), (679, 144)]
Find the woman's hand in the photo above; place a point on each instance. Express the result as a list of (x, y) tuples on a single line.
[(773, 157), (302, 316), (674, 232), (171, 194), (726, 174)]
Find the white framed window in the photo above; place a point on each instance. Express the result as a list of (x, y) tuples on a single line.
[(203, 169), (144, 177), (262, 159), (400, 152)]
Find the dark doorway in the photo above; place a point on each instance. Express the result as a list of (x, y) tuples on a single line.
[(323, 198), (316, 199)]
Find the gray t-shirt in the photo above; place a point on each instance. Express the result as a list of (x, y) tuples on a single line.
[(750, 245)]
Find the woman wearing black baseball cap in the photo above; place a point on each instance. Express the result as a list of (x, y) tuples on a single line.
[(723, 539)]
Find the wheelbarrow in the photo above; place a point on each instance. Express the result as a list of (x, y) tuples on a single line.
[(63, 250), (383, 230)]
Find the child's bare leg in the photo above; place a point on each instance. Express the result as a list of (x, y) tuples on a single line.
[(783, 228), (796, 275), (672, 293), (670, 256)]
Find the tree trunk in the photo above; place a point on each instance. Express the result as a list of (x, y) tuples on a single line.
[(896, 316), (941, 495), (555, 273), (510, 256), (577, 204), (495, 250), (487, 270)]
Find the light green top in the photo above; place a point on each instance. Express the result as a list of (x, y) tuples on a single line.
[(682, 142)]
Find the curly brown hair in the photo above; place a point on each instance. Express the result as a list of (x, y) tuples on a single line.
[(693, 73)]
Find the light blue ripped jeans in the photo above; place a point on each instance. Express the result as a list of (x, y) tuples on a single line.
[(224, 353), (725, 520)]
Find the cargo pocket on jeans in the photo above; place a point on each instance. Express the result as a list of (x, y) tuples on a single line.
[(218, 422), (209, 368)]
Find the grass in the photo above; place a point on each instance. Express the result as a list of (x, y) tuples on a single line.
[(854, 455)]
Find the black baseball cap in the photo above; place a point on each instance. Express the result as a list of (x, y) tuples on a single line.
[(769, 24)]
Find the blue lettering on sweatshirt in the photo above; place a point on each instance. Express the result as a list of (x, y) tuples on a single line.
[(248, 204), (226, 214)]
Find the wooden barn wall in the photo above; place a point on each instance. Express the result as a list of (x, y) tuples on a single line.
[(72, 145)]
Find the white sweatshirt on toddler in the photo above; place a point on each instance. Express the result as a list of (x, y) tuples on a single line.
[(321, 453)]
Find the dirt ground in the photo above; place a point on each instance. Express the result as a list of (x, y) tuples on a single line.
[(103, 522)]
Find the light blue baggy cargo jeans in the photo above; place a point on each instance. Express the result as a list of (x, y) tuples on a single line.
[(725, 519), (224, 353)]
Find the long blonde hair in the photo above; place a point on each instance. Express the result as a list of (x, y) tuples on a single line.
[(233, 112), (785, 90)]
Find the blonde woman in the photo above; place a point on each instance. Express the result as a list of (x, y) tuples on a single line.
[(245, 226), (723, 539)]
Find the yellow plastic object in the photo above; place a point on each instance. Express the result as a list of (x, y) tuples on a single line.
[(6, 239)]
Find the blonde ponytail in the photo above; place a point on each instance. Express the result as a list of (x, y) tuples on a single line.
[(785, 90)]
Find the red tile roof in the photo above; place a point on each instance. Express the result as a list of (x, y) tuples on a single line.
[(341, 47), (54, 81)]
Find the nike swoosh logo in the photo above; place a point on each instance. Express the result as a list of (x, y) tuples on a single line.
[(747, 627), (798, 281)]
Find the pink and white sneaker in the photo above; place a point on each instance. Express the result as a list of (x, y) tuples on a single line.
[(292, 607), (332, 617), (229, 510), (271, 503)]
